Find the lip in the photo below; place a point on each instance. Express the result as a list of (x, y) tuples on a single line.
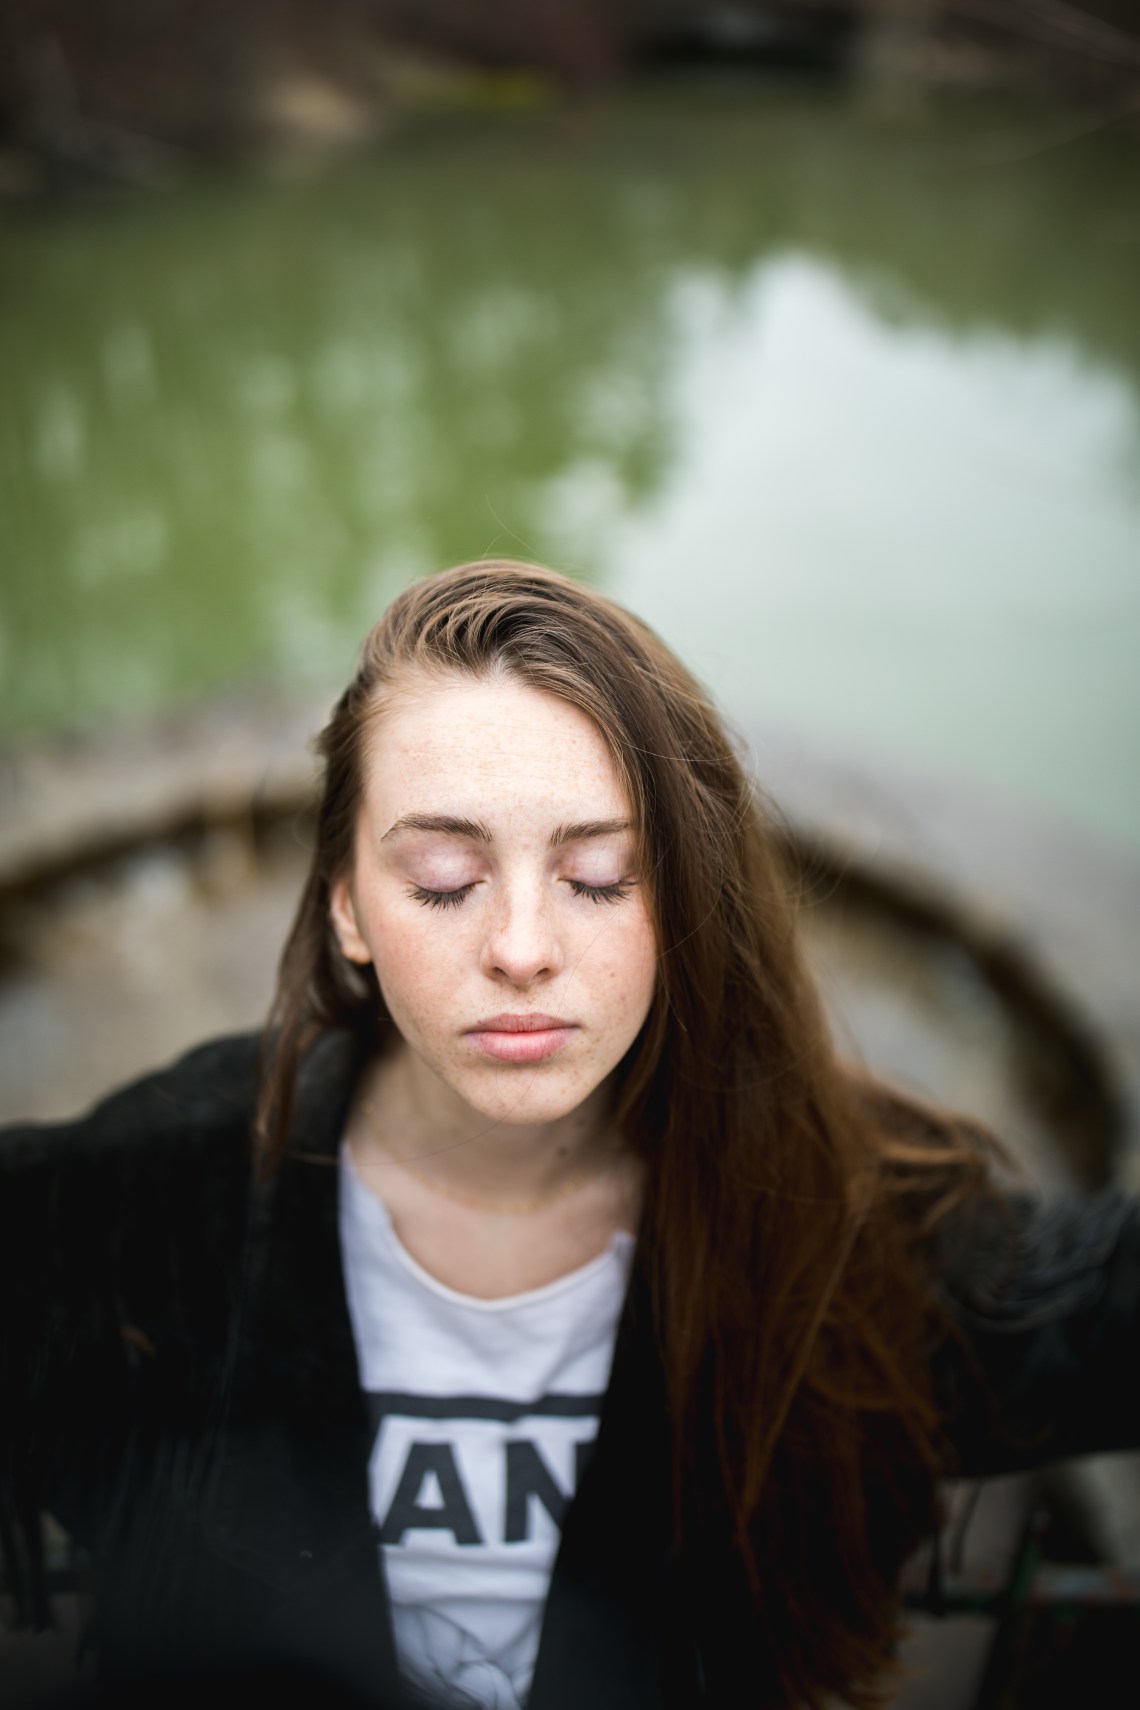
[(520, 1038), (519, 1024)]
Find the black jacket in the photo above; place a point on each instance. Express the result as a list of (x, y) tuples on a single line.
[(181, 1391)]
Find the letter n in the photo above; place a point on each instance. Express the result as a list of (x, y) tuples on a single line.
[(528, 1475)]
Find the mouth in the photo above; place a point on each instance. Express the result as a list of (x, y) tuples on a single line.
[(520, 1038)]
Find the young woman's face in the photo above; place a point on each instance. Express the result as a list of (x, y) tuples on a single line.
[(495, 890)]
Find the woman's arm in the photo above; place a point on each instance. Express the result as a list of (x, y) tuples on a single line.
[(118, 1254)]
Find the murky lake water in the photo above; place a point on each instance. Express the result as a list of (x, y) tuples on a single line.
[(844, 398)]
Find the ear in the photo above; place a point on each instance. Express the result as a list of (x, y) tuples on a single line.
[(342, 914)]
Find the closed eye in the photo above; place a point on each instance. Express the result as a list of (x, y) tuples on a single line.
[(602, 893), (452, 899), (440, 899)]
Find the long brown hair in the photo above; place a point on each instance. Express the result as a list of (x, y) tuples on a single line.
[(785, 1195)]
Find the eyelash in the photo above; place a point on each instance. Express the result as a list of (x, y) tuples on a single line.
[(440, 899), (601, 893), (452, 899)]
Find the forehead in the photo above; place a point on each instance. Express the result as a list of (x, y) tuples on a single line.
[(441, 744)]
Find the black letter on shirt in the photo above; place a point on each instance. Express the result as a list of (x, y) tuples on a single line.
[(405, 1513), (528, 1475)]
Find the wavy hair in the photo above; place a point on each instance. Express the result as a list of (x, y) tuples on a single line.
[(786, 1197)]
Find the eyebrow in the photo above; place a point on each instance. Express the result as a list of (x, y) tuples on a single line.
[(453, 826), (448, 823), (583, 829)]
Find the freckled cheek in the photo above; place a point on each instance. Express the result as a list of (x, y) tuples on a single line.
[(624, 967), (417, 969), (421, 1006)]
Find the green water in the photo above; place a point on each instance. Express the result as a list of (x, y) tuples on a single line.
[(843, 396)]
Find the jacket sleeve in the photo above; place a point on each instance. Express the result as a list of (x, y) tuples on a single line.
[(1039, 1356), (56, 1347), (101, 1220)]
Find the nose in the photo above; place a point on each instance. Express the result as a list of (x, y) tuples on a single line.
[(523, 943)]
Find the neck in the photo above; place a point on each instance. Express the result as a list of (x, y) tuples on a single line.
[(412, 1116)]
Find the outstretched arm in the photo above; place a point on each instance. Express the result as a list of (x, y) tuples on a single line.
[(1042, 1356)]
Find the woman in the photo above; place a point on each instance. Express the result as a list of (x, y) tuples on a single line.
[(583, 1333)]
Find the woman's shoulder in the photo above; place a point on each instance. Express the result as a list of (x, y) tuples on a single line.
[(201, 1101), (132, 1215)]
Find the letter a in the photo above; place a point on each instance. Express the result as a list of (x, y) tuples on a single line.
[(406, 1513)]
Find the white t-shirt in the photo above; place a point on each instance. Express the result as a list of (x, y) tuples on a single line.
[(484, 1411)]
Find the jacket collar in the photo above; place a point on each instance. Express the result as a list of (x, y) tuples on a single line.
[(612, 1634), (292, 1378), (289, 1500)]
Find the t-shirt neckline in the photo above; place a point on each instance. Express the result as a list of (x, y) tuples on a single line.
[(619, 1247)]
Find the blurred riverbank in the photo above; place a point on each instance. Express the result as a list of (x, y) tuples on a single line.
[(112, 93)]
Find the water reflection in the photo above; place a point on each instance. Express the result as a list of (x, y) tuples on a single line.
[(845, 401), (931, 540)]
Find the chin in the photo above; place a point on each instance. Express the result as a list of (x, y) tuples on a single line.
[(519, 1101)]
